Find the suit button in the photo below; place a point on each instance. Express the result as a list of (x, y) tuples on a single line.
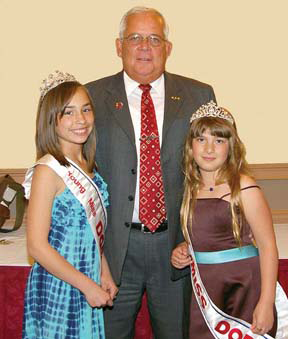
[(130, 198), (133, 171), (127, 224)]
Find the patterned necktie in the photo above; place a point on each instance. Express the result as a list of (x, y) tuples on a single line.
[(152, 202)]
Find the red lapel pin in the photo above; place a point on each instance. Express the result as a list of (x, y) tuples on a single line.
[(119, 105)]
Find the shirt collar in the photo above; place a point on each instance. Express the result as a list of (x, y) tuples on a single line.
[(131, 85)]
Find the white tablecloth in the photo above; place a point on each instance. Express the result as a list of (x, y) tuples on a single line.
[(15, 253), (13, 250)]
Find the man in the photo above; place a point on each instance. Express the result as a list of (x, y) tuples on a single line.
[(139, 239)]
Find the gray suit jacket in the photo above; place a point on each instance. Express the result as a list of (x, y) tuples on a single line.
[(117, 159)]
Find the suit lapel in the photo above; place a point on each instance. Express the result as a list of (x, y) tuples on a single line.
[(174, 98), (117, 103)]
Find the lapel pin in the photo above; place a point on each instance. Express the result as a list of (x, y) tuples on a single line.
[(175, 98), (119, 105)]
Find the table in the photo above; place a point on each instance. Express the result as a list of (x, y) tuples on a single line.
[(14, 269)]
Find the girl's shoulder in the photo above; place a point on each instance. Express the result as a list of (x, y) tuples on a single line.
[(43, 170), (41, 175), (45, 175), (249, 187), (246, 181)]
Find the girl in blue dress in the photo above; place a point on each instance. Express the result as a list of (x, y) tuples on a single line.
[(70, 282)]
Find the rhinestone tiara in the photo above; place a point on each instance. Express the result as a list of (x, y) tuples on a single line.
[(211, 110), (53, 80)]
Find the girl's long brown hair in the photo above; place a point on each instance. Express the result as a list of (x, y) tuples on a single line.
[(231, 171)]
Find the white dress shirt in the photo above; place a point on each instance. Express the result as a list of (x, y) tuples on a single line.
[(134, 94)]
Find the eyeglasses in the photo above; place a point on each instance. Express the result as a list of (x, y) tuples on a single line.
[(137, 39)]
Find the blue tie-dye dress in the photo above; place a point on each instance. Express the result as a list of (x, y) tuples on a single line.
[(53, 308)]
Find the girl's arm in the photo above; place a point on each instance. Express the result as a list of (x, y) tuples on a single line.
[(258, 215), (45, 185)]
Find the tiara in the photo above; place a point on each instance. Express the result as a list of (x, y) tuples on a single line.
[(211, 110), (53, 80)]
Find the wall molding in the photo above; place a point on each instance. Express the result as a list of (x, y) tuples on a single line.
[(269, 171), (17, 173), (260, 172), (280, 216)]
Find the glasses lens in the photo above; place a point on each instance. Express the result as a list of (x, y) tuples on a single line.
[(134, 39), (154, 40), (137, 39)]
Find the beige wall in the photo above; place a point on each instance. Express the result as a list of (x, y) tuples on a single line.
[(239, 47)]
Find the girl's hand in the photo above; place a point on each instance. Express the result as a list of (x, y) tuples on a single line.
[(108, 285), (180, 257), (96, 296), (263, 318)]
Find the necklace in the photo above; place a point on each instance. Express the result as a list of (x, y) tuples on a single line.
[(210, 189)]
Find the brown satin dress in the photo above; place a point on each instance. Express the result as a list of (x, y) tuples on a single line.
[(234, 286)]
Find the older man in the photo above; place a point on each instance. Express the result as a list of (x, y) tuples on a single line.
[(142, 116)]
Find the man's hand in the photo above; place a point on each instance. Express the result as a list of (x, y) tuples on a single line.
[(180, 257)]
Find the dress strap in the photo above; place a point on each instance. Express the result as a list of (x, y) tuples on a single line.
[(242, 189)]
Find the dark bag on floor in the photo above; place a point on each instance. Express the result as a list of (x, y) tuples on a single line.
[(9, 190)]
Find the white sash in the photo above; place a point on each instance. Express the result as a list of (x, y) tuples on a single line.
[(83, 188), (224, 326)]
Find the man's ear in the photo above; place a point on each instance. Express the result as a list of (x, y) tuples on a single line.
[(168, 48), (118, 44)]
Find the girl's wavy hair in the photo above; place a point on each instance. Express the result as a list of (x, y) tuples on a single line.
[(50, 108), (231, 171)]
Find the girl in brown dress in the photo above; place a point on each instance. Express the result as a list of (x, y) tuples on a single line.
[(223, 209)]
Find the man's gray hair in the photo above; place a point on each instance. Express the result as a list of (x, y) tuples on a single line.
[(141, 9)]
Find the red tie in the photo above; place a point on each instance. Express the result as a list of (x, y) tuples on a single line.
[(152, 202)]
